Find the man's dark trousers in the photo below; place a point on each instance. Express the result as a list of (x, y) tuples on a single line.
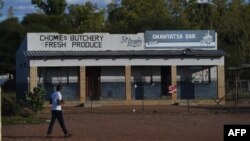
[(57, 114)]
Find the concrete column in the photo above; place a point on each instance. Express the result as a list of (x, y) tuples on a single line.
[(32, 78), (221, 83), (174, 82), (128, 82), (82, 83)]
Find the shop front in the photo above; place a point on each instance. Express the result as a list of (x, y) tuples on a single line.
[(124, 69)]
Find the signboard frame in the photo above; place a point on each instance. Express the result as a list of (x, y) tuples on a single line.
[(181, 39)]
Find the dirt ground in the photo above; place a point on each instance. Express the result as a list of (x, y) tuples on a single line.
[(149, 123)]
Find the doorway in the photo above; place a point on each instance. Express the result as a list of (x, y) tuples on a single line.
[(93, 83), (165, 81)]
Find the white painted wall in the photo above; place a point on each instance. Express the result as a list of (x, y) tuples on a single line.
[(130, 62), (58, 75), (184, 73)]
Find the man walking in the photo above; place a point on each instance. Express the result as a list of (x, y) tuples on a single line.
[(56, 111)]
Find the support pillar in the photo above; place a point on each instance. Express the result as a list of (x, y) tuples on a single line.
[(221, 83), (174, 82), (32, 78), (128, 82), (82, 83)]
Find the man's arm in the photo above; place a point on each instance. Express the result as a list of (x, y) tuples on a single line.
[(60, 100)]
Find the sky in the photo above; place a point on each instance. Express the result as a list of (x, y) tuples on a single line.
[(23, 7)]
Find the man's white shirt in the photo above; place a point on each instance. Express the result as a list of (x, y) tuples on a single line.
[(56, 96)]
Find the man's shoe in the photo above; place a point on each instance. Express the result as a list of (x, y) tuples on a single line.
[(49, 136), (67, 135)]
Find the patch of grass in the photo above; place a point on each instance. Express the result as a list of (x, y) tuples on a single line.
[(12, 120)]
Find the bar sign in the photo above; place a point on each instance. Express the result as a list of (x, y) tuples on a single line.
[(236, 132)]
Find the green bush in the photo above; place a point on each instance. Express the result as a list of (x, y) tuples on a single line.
[(37, 98)]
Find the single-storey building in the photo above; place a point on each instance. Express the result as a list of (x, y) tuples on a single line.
[(159, 67)]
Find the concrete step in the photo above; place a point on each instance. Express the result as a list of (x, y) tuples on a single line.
[(92, 104)]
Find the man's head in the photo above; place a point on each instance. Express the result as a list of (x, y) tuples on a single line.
[(58, 87)]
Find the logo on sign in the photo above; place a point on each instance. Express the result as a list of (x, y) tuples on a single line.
[(207, 39), (131, 42)]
